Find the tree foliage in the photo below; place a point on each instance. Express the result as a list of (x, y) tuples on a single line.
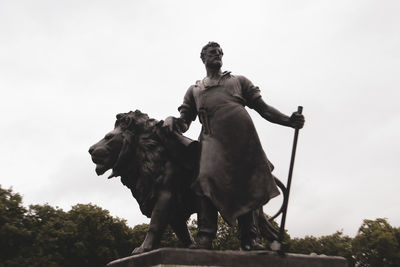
[(227, 237), (377, 243), (88, 235), (13, 235), (336, 244)]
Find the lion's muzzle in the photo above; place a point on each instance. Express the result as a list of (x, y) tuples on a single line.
[(100, 157)]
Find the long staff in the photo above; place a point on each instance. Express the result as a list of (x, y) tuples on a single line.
[(289, 181)]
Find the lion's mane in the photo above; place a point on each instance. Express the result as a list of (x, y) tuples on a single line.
[(143, 157)]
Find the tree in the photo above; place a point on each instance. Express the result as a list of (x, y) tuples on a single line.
[(227, 236), (377, 244), (336, 244), (97, 236), (49, 237), (87, 235), (138, 234), (13, 234)]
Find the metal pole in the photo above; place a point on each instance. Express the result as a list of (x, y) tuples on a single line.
[(286, 201)]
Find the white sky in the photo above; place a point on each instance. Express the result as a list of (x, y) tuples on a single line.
[(68, 67)]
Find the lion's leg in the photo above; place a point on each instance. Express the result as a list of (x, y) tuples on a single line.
[(161, 213), (158, 222), (179, 226)]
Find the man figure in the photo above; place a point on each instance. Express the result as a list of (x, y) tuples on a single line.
[(234, 175)]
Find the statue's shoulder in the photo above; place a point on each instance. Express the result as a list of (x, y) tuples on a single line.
[(241, 78), (244, 81), (193, 90), (198, 83), (196, 86)]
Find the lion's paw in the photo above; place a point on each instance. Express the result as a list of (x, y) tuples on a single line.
[(140, 250)]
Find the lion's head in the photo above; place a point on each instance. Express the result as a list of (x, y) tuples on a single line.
[(140, 151), (116, 149)]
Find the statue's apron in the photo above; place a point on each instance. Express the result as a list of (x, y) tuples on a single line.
[(234, 171)]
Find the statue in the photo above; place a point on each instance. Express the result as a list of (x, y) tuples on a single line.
[(234, 176), (157, 166), (172, 176)]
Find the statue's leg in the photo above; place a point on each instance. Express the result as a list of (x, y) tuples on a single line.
[(248, 232), (179, 226), (207, 222), (267, 230)]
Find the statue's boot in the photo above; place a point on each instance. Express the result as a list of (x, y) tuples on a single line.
[(250, 244), (207, 223), (248, 232)]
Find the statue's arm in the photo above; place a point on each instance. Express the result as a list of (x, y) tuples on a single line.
[(254, 100), (188, 113), (273, 115)]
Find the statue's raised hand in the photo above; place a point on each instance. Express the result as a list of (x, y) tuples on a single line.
[(297, 120)]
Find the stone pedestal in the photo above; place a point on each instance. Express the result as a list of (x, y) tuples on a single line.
[(173, 257)]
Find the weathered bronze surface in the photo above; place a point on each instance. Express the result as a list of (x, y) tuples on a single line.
[(227, 171), (158, 167), (234, 176)]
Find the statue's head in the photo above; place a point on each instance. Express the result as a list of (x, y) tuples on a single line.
[(211, 55)]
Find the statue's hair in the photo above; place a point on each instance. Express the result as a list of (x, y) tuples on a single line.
[(204, 49)]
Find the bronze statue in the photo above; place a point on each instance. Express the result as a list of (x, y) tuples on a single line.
[(234, 176), (172, 176), (157, 166)]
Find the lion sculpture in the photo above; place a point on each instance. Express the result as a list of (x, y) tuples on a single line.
[(158, 166)]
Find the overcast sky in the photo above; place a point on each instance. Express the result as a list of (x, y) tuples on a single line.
[(68, 67)]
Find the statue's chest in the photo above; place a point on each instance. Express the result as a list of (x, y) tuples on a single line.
[(225, 92)]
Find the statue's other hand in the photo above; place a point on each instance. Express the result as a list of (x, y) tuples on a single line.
[(175, 125), (169, 123), (297, 120)]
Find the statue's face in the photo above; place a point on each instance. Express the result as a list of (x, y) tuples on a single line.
[(213, 57)]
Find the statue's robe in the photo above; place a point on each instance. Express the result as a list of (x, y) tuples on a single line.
[(234, 171)]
